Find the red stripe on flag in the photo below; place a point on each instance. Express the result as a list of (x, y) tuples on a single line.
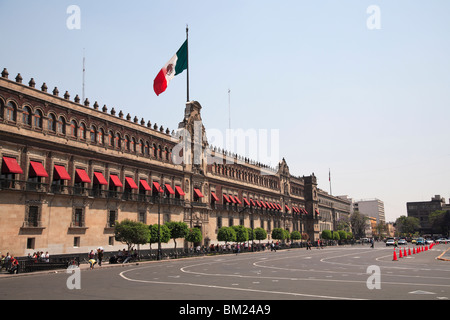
[(160, 83)]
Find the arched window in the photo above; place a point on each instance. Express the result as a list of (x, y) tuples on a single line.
[(82, 131), (38, 119), (147, 149), (118, 142), (26, 116), (111, 139), (61, 125), (155, 151), (133, 145), (101, 136), (93, 134), (166, 153), (127, 143), (141, 146), (73, 128), (11, 110), (51, 125)]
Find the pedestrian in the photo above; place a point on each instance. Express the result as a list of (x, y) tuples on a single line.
[(308, 245), (100, 256), (14, 265), (92, 263)]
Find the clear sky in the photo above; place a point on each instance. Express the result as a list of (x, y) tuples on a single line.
[(371, 105)]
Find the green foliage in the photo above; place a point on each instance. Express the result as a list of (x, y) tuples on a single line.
[(131, 232), (295, 235), (326, 234), (251, 234), (164, 233), (336, 236), (178, 229), (260, 234), (278, 234), (241, 233), (342, 235), (226, 234), (194, 235)]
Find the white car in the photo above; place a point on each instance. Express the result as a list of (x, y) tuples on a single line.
[(401, 242), (429, 241), (390, 242), (442, 240)]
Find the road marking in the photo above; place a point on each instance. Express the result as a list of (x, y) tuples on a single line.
[(421, 292)]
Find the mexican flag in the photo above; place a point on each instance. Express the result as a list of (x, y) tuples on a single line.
[(173, 67)]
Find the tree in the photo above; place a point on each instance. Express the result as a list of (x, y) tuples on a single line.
[(178, 229), (326, 234), (131, 233), (251, 234), (194, 235), (164, 234), (440, 221), (241, 233), (342, 234), (278, 234), (358, 222), (226, 234), (295, 235), (260, 234), (407, 225)]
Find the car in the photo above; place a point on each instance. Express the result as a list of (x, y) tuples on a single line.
[(401, 242), (442, 240), (420, 241), (429, 241), (390, 242)]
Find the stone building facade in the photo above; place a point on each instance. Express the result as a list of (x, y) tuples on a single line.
[(70, 170)]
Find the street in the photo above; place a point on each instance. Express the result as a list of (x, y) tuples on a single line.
[(334, 273)]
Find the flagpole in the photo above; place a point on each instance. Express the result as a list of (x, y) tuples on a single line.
[(329, 178), (187, 56)]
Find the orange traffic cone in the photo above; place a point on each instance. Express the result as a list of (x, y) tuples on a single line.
[(404, 252), (409, 251), (414, 250), (426, 248), (395, 256), (400, 253)]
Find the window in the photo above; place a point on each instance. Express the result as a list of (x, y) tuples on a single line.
[(112, 217), (78, 218), (82, 131), (76, 242), (61, 125), (93, 135), (117, 141), (73, 128), (110, 139), (133, 145), (101, 137), (32, 219), (219, 222), (26, 116), (30, 243), (127, 143), (141, 216), (11, 111), (38, 119), (111, 241)]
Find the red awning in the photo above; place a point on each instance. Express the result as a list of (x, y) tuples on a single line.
[(232, 199), (198, 193), (317, 212), (226, 198), (214, 196), (169, 189), (99, 178), (237, 200), (286, 206), (179, 190), (157, 187), (81, 176), (304, 211), (258, 203), (38, 169), (252, 202), (130, 182), (246, 201), (144, 184), (60, 173), (10, 165), (115, 180)]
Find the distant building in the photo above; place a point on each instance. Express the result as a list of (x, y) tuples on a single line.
[(332, 209), (371, 208), (422, 209)]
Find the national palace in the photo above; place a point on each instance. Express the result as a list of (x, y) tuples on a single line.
[(71, 169)]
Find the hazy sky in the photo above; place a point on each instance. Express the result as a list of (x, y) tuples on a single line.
[(372, 105)]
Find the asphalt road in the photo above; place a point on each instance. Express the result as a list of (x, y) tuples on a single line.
[(333, 273)]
